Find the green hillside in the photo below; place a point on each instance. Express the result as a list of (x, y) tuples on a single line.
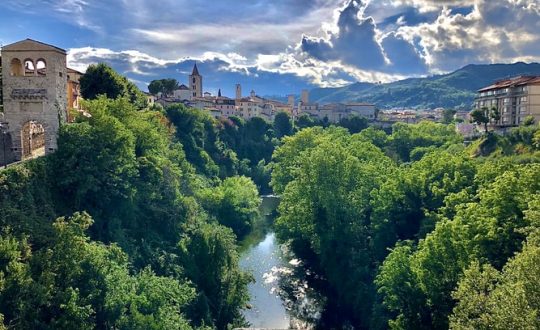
[(453, 90)]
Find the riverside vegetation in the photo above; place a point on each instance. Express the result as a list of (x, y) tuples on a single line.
[(413, 230), (134, 222)]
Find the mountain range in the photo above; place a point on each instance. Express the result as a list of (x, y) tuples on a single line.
[(453, 90)]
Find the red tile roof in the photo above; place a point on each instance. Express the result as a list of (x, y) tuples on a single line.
[(517, 81)]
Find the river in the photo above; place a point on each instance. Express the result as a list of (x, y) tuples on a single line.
[(262, 256)]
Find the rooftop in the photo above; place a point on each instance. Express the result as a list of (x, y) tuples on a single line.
[(32, 45), (516, 81)]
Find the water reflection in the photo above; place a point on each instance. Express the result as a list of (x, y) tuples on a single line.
[(280, 297), (267, 309)]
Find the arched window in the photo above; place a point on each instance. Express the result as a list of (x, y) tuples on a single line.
[(29, 68), (41, 67), (16, 67)]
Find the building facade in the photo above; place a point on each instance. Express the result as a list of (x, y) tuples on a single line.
[(515, 99), (35, 97)]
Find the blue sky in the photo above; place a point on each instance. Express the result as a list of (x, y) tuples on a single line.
[(281, 46)]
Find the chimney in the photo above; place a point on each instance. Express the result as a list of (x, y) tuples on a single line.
[(305, 96), (290, 100), (238, 91)]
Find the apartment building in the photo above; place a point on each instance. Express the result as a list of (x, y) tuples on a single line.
[(515, 98)]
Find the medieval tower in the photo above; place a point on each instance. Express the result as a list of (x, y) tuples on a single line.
[(35, 99), (195, 82)]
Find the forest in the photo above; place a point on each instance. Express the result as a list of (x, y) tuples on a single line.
[(413, 229), (134, 223)]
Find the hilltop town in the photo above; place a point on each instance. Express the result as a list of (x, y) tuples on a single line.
[(253, 105), (39, 92)]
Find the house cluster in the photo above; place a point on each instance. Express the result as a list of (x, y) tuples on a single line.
[(254, 105)]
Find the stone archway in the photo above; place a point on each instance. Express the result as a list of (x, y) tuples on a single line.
[(32, 140)]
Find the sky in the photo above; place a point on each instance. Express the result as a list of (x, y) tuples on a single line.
[(279, 47)]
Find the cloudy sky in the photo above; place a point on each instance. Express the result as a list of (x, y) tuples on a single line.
[(279, 46)]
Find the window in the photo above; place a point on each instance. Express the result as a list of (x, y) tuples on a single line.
[(523, 99), (29, 68), (194, 80), (41, 67), (16, 67)]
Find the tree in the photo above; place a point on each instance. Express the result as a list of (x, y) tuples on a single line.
[(305, 121), (480, 117), (101, 79), (282, 125), (155, 87), (169, 85), (164, 86), (448, 116), (235, 203), (211, 263), (495, 114), (529, 121), (354, 124), (76, 283)]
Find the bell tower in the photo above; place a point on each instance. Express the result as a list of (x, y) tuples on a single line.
[(195, 82)]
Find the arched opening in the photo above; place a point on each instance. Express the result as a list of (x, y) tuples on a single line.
[(32, 140), (41, 67), (16, 68), (29, 68)]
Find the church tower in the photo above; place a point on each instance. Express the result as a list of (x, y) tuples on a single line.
[(195, 82)]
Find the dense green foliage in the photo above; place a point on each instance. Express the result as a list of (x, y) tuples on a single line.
[(225, 147), (235, 204), (164, 86), (101, 79), (77, 283), (283, 124), (134, 222), (407, 231), (139, 270)]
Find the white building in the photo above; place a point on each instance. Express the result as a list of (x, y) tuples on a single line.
[(183, 93)]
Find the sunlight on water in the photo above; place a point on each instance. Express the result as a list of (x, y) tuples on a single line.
[(264, 260)]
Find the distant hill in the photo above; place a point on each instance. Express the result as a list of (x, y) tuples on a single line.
[(453, 90)]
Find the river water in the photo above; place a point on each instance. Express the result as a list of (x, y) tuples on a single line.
[(262, 255)]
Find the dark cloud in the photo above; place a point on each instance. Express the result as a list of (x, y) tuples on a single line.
[(354, 44), (404, 57)]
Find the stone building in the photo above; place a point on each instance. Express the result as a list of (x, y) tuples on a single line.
[(34, 84), (73, 92), (195, 82)]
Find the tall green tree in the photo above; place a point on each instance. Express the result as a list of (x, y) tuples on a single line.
[(282, 124), (76, 283), (101, 79), (235, 204), (209, 253), (481, 117), (355, 124)]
